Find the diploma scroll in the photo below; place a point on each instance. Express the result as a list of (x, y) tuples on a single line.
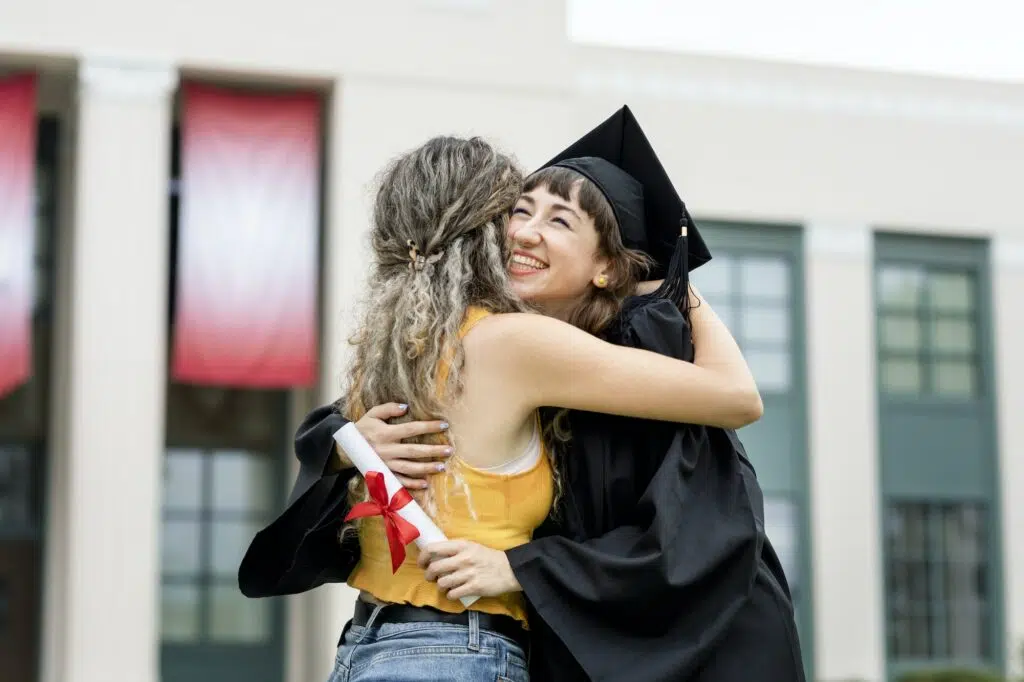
[(366, 459)]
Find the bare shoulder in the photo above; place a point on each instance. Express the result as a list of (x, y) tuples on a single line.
[(513, 331)]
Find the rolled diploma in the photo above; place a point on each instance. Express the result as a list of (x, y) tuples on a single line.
[(365, 458)]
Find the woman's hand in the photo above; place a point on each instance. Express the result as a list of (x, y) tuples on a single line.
[(411, 463), (462, 568)]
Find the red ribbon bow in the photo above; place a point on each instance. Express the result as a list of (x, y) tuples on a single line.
[(399, 531)]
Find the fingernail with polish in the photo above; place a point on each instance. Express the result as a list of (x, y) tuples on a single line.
[(403, 407), (440, 466), (444, 426), (449, 451)]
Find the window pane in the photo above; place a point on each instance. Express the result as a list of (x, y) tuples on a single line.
[(951, 291), (900, 332), (183, 480), (15, 488), (900, 287), (233, 618), (901, 376), (715, 279), (953, 336), (764, 278), (780, 524), (179, 613), (907, 580), (229, 540), (770, 368), (955, 378), (44, 215), (242, 482), (765, 323), (962, 530), (946, 614), (180, 547)]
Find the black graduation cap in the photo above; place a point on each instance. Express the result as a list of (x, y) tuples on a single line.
[(617, 157)]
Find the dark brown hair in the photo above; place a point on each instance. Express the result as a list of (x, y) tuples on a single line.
[(599, 306)]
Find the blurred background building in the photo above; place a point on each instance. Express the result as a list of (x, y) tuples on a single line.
[(161, 335)]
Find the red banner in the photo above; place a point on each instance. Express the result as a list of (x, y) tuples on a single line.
[(248, 239), (17, 228)]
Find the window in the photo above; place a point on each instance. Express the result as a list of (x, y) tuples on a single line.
[(781, 525), (45, 220), (752, 294), (754, 282), (937, 450), (938, 596), (18, 513), (927, 331), (214, 502)]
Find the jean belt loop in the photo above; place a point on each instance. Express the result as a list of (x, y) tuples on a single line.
[(474, 631), (369, 621)]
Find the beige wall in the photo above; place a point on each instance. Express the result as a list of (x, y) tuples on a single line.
[(1008, 288), (101, 605), (454, 41), (845, 528), (839, 152)]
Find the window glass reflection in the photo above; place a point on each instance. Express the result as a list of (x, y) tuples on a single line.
[(214, 503), (783, 530), (937, 592)]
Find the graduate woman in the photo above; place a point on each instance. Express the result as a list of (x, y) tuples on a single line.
[(441, 330)]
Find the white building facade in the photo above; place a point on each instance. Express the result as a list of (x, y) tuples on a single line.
[(869, 256)]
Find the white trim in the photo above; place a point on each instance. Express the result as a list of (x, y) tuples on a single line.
[(849, 241), (463, 6), (1008, 253), (127, 77), (668, 84)]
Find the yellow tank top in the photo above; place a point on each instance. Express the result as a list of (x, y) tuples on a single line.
[(499, 511)]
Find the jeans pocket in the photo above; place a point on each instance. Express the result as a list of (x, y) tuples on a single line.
[(340, 671), (516, 669)]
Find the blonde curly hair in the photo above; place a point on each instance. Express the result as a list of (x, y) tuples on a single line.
[(439, 247)]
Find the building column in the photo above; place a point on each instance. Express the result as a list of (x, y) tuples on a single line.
[(113, 405), (1008, 320), (845, 485)]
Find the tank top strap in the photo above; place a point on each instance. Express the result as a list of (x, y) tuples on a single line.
[(473, 316)]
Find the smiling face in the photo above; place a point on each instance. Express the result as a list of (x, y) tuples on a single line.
[(556, 254), (568, 259)]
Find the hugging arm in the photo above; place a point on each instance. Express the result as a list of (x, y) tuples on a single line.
[(552, 363)]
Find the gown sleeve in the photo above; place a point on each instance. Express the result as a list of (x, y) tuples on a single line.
[(661, 561), (302, 548)]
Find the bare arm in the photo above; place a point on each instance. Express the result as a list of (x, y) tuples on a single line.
[(714, 347), (548, 362)]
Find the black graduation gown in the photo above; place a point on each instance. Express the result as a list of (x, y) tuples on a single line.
[(655, 567)]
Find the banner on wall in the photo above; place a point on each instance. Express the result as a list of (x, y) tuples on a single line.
[(248, 239), (17, 228)]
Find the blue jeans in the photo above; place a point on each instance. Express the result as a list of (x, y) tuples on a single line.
[(427, 652)]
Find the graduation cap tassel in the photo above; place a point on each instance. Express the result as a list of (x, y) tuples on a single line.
[(677, 274)]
